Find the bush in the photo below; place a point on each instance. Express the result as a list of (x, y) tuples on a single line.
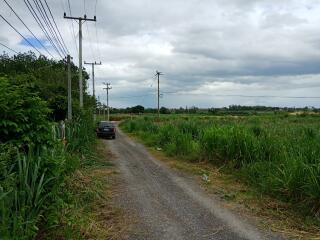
[(23, 115)]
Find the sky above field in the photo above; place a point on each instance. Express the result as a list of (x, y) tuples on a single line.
[(213, 53)]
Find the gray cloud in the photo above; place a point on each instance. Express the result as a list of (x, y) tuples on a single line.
[(263, 47)]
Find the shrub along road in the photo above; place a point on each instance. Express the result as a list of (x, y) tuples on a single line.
[(168, 204)]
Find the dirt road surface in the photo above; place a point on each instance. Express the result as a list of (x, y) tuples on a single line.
[(168, 204)]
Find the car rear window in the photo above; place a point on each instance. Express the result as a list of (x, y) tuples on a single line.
[(105, 124)]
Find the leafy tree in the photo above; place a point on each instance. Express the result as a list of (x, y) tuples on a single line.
[(49, 79), (164, 110), (23, 115), (137, 109)]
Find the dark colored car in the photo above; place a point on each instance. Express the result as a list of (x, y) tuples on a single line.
[(106, 129)]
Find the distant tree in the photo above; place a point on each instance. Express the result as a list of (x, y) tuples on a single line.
[(137, 109), (164, 110)]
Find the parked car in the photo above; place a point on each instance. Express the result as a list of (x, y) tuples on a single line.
[(106, 129)]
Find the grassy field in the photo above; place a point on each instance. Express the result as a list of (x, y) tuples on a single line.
[(279, 155)]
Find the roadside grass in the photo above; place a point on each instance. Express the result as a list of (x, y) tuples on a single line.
[(87, 211), (228, 183)]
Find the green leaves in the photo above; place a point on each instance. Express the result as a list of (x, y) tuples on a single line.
[(23, 115)]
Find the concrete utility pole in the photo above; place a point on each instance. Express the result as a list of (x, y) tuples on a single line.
[(99, 105), (93, 85), (92, 69), (80, 19), (69, 89), (108, 88), (158, 74)]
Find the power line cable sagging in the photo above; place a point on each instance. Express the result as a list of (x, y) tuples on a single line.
[(8, 48), (240, 95), (44, 15), (24, 38), (73, 32), (27, 28), (42, 26)]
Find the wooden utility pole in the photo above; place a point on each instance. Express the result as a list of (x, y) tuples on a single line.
[(81, 20), (108, 109), (158, 74), (69, 89)]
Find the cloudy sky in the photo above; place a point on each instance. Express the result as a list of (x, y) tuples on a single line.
[(213, 52)]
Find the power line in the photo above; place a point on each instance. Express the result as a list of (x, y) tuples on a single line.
[(88, 34), (97, 37), (8, 48), (21, 35), (137, 96), (221, 95), (64, 48), (45, 17), (97, 42), (95, 8), (243, 96), (49, 25), (40, 24), (28, 28), (74, 35), (64, 44)]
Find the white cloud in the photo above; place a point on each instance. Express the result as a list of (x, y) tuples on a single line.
[(237, 47)]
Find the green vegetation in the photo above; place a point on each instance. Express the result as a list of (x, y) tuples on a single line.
[(278, 154), (34, 162)]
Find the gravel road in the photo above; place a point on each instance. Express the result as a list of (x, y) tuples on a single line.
[(168, 204)]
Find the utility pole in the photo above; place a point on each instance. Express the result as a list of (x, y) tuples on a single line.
[(81, 20), (108, 88), (158, 74), (69, 89), (92, 69), (93, 85), (99, 104)]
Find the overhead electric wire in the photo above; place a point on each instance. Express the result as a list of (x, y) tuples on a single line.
[(64, 44), (45, 25), (49, 25), (55, 30), (97, 38), (42, 27), (74, 35), (71, 30), (138, 96), (240, 95), (90, 43), (95, 8), (88, 34), (8, 48), (28, 28), (44, 16), (21, 34)]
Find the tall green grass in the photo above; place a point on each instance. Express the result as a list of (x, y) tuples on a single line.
[(32, 180), (279, 155)]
